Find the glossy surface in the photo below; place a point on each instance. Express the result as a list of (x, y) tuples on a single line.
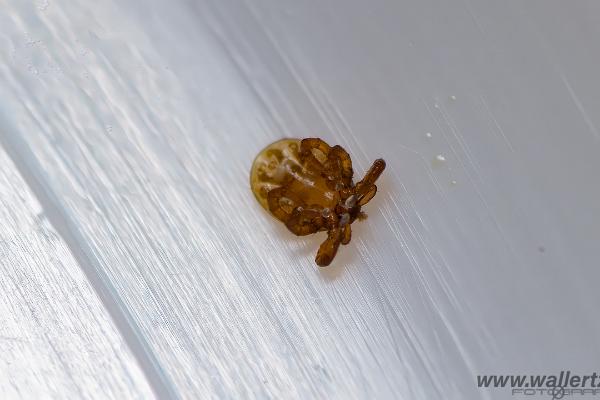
[(137, 121), (57, 340)]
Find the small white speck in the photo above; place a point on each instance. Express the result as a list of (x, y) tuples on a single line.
[(429, 135), (436, 105), (440, 158), (453, 183), (43, 5), (453, 97)]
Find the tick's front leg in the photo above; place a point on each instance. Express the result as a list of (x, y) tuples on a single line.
[(339, 165), (329, 247), (366, 189)]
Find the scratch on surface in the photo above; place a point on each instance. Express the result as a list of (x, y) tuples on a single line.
[(580, 107), (30, 170), (496, 124), (403, 237), (551, 55), (476, 186), (12, 339), (427, 251), (473, 16)]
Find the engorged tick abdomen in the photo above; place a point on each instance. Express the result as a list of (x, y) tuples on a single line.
[(278, 163)]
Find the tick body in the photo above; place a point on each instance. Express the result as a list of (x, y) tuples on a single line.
[(307, 184)]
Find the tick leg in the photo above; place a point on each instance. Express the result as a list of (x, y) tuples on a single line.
[(308, 157), (347, 234), (340, 164), (282, 203), (366, 189), (305, 221), (306, 145), (367, 194), (329, 247)]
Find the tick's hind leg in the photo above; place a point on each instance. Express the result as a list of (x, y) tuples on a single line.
[(329, 247), (282, 203), (309, 158), (339, 166), (305, 221), (308, 144)]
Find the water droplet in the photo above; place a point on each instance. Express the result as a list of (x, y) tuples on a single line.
[(31, 68), (440, 158)]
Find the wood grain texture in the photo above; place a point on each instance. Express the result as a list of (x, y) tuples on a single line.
[(142, 120), (56, 339)]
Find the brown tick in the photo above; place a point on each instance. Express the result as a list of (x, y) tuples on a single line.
[(307, 185)]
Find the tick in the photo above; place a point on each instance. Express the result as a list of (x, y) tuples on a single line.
[(307, 184)]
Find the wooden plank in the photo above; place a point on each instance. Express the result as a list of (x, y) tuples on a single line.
[(143, 121), (57, 341)]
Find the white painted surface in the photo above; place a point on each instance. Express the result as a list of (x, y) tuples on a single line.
[(137, 122), (56, 339)]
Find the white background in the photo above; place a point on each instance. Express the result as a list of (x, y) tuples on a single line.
[(137, 264)]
